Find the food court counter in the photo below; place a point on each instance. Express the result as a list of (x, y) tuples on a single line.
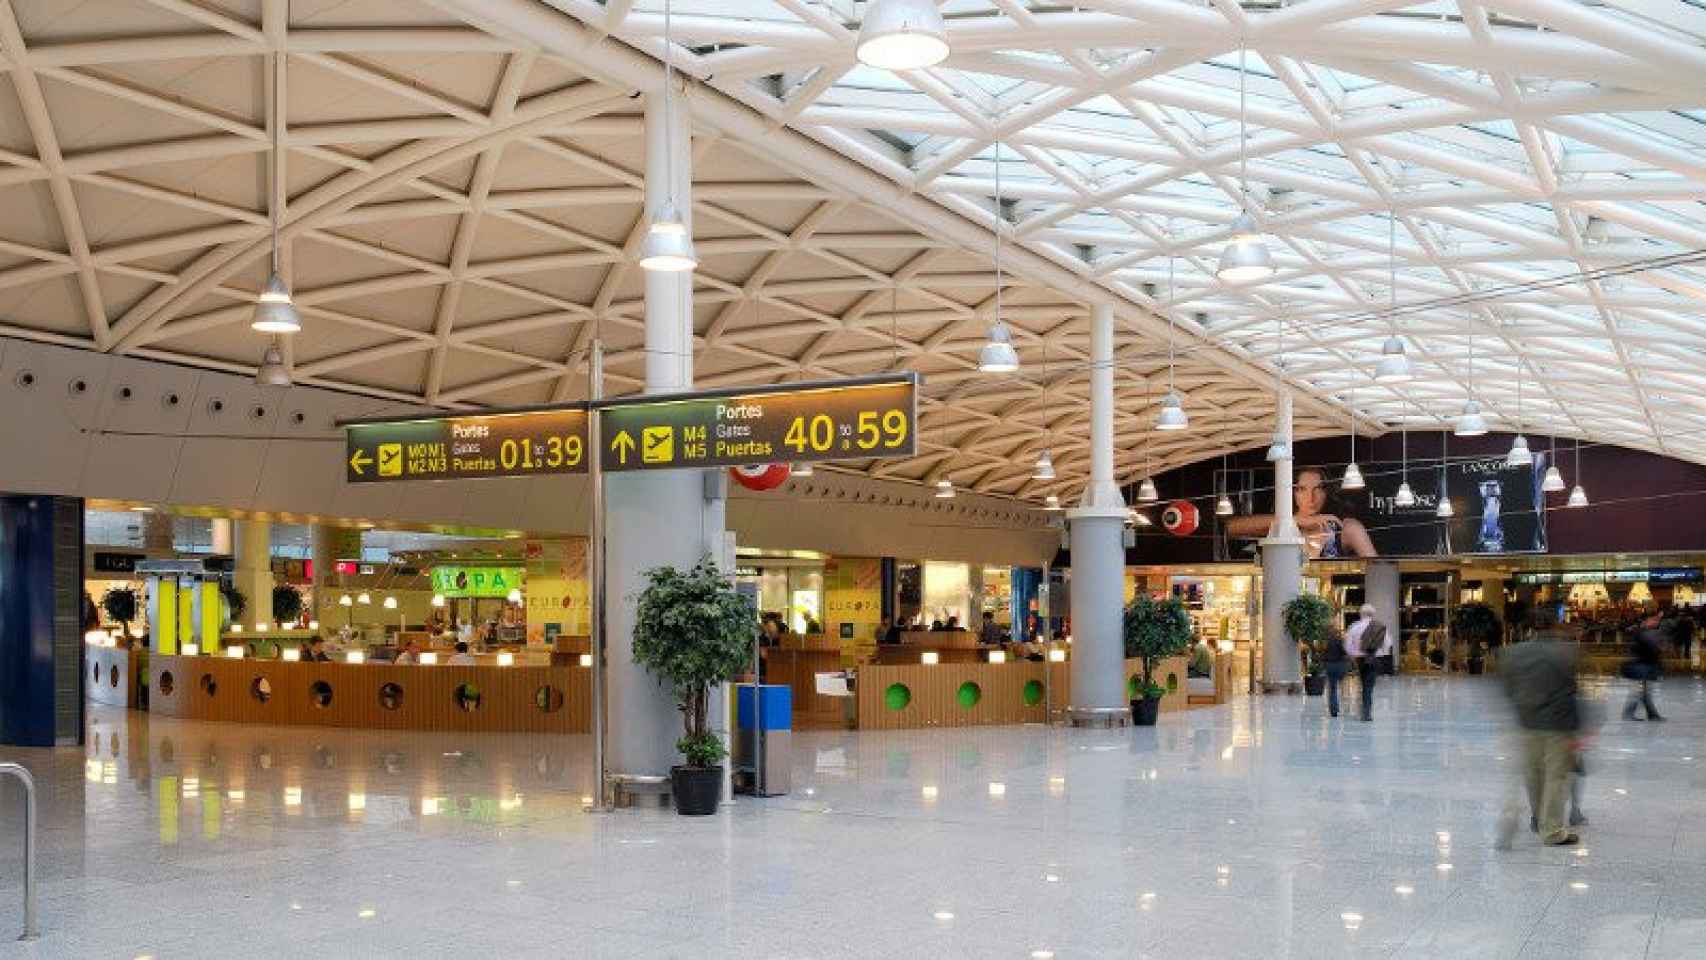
[(487, 699), (796, 662), (950, 646), (975, 694)]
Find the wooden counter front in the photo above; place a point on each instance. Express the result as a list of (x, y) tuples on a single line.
[(373, 695), (1013, 692), (799, 669), (112, 676)]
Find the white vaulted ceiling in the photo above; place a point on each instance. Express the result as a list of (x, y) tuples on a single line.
[(462, 201)]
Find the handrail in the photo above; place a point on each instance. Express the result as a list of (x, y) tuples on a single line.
[(32, 923)]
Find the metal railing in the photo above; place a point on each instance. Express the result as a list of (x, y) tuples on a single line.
[(32, 923)]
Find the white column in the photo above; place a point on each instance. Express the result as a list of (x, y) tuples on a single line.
[(1098, 554), (1282, 567), (1380, 587), (659, 518), (221, 532), (253, 576)]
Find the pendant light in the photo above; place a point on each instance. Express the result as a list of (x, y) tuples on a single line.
[(800, 470), (998, 355), (668, 247), (1045, 461), (944, 489), (1051, 503), (1554, 479), (272, 371), (902, 35), (1405, 497), (275, 312), (1444, 510), (1146, 492), (1223, 506), (1519, 455), (1353, 473), (1172, 415), (1394, 362), (1246, 258), (1471, 424), (1280, 448), (1578, 495)]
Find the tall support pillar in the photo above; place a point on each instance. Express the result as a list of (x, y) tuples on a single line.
[(42, 669), (647, 514), (1098, 554), (1380, 589), (220, 531), (253, 576), (1282, 567)]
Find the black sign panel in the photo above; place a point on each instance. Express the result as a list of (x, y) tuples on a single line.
[(517, 444), (116, 562), (848, 420)]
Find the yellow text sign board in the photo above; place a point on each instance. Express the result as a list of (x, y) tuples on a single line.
[(854, 420), (521, 444)]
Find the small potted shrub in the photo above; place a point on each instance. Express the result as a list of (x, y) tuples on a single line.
[(120, 604), (1477, 625), (1154, 629), (286, 604), (693, 630), (1308, 621), (235, 603)]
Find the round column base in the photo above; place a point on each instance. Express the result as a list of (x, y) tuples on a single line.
[(1288, 687), (1102, 717)]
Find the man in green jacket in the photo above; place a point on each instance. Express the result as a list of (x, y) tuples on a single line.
[(1540, 679)]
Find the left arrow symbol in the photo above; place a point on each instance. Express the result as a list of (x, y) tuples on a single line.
[(360, 462)]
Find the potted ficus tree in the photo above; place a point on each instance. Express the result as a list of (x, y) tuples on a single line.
[(1477, 625), (693, 630), (1154, 629), (286, 604), (120, 604), (235, 603), (1308, 621)]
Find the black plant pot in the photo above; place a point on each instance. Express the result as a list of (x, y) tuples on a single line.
[(1315, 684), (1146, 711), (1477, 666), (697, 790)]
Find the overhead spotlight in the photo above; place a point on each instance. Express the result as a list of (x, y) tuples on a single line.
[(390, 603), (1045, 466), (438, 600), (998, 355), (1278, 450), (1444, 510), (902, 35), (800, 470), (1472, 423), (1172, 415), (1353, 478), (1246, 258), (274, 310), (272, 371), (1051, 502), (1405, 497), (668, 247), (1394, 362), (1578, 497), (364, 599), (345, 600), (1519, 455), (1146, 492), (944, 489), (1223, 507), (1554, 480)]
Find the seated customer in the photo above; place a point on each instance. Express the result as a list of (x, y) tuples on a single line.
[(461, 658), (410, 654), (317, 651), (953, 623), (991, 632), (888, 632)]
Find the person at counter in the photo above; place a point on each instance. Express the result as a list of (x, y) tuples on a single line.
[(937, 626), (888, 632), (990, 633), (461, 658), (317, 651), (410, 654)]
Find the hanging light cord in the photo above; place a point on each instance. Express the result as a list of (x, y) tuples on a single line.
[(669, 102), (272, 178), (1243, 135), (1170, 355), (1392, 268), (999, 218)]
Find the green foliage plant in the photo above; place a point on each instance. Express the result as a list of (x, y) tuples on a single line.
[(693, 630), (1308, 622), (1154, 630)]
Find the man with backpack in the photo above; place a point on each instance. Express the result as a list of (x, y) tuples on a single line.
[(1366, 643)]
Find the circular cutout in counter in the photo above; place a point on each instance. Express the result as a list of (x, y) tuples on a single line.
[(320, 693), (209, 685), (166, 683), (548, 699), (114, 674), (391, 695), (467, 697), (95, 674), (261, 689), (968, 695), (1033, 692), (1172, 683), (897, 697)]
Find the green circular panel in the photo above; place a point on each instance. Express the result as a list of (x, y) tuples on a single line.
[(1172, 683), (897, 696), (1133, 688), (1033, 693), (968, 695)]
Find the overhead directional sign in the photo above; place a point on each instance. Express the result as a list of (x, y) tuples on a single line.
[(513, 444), (837, 420)]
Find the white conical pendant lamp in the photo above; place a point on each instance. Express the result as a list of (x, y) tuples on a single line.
[(1472, 423), (1223, 507), (1245, 259), (1519, 455), (944, 489), (272, 371), (1146, 492), (1045, 466), (998, 355), (1172, 416), (1553, 482), (274, 311), (1405, 497), (1353, 473), (902, 35), (1578, 495), (1394, 362), (1052, 503), (1444, 510), (668, 247)]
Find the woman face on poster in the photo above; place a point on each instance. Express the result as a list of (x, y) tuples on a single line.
[(1327, 535)]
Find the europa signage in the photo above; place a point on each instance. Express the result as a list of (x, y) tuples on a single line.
[(460, 581)]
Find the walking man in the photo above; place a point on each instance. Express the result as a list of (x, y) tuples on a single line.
[(1646, 655), (1540, 679), (1366, 643)]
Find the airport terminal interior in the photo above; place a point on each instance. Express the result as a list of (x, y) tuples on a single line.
[(853, 478)]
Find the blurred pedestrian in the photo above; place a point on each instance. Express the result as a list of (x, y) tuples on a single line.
[(1540, 679), (1336, 662), (1643, 667), (1367, 642)]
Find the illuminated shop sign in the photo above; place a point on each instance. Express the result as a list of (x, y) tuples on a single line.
[(1655, 575), (476, 581)]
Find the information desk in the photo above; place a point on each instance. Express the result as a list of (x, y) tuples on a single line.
[(950, 646), (373, 695), (976, 694), (113, 675), (796, 665)]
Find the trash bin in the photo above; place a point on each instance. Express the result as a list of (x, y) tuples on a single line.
[(764, 770)]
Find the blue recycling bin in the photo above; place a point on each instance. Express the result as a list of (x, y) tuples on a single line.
[(762, 755)]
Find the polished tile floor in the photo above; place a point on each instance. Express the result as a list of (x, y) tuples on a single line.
[(1256, 829)]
